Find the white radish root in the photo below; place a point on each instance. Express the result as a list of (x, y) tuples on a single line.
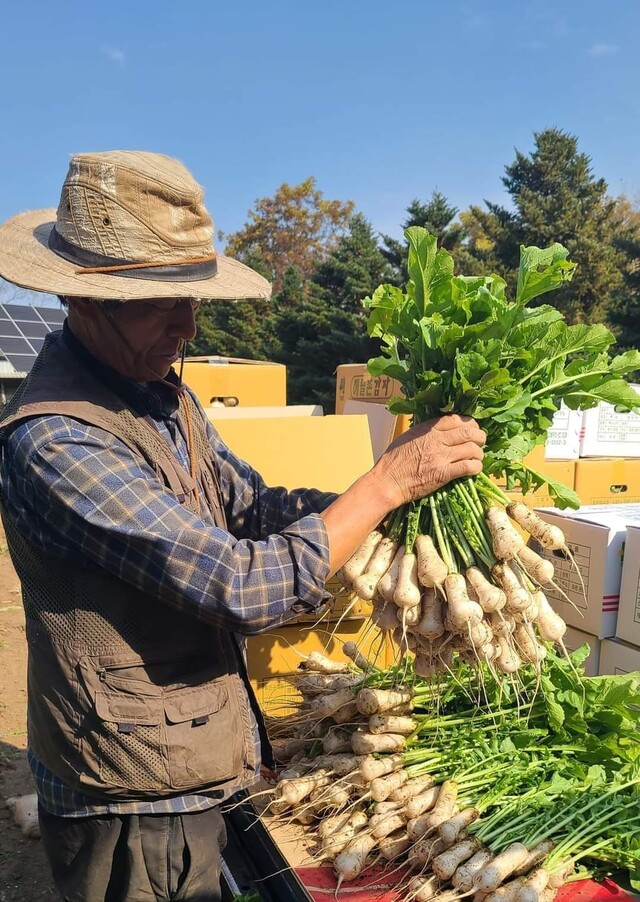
[(505, 538), (501, 867), (377, 701), (445, 864), (407, 593), (546, 534), (357, 563)]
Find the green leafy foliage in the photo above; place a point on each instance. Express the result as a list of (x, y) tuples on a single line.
[(459, 344), (554, 192)]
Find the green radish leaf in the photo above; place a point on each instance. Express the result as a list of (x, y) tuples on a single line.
[(562, 495), (423, 248), (542, 270), (617, 392), (580, 655)]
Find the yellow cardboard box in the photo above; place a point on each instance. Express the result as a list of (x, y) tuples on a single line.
[(614, 480), (327, 453), (355, 386), (248, 383), (273, 657)]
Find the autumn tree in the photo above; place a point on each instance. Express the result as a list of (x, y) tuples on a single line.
[(297, 227)]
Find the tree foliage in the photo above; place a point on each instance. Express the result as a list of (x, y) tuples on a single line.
[(436, 215), (556, 197), (324, 259), (326, 326), (297, 227), (625, 311), (235, 329), (353, 268)]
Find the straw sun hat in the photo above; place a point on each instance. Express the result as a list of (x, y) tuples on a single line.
[(130, 225)]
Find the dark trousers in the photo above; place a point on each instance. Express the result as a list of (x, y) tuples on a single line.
[(136, 858)]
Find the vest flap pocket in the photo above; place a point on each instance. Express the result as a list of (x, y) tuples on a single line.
[(194, 702), (131, 709)]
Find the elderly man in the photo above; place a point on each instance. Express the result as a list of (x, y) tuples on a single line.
[(145, 548)]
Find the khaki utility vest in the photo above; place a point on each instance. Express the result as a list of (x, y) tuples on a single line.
[(128, 697)]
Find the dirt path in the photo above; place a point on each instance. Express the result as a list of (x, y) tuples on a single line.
[(24, 872)]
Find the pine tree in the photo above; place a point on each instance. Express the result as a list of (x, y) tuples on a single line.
[(625, 309), (234, 329), (556, 197), (353, 269), (437, 215), (326, 326)]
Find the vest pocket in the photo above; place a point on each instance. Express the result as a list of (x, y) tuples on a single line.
[(203, 743), (154, 739), (130, 741)]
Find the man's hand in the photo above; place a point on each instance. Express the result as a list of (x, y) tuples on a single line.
[(428, 456), (421, 461)]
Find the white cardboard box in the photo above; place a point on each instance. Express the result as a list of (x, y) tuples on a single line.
[(574, 638), (563, 437), (606, 433), (618, 657), (595, 537), (628, 626)]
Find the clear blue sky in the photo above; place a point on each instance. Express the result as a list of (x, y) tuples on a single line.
[(381, 102)]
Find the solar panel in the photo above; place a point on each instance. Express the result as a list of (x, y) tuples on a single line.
[(23, 330)]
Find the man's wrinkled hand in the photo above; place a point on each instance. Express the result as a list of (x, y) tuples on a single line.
[(430, 455)]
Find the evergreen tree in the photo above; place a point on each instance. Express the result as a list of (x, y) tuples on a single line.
[(353, 269), (556, 197), (234, 329), (313, 340), (437, 215), (625, 311), (326, 325)]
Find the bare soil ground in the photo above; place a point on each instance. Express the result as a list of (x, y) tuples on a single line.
[(24, 872)]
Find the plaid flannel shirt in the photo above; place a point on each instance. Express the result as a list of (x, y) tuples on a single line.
[(77, 492)]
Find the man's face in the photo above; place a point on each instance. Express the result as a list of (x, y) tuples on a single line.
[(139, 339)]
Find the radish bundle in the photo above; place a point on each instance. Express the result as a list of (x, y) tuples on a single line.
[(511, 802), (451, 574)]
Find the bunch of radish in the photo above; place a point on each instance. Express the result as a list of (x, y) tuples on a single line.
[(379, 773), (454, 575)]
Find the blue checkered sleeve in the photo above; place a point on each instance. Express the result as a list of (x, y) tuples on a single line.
[(78, 492)]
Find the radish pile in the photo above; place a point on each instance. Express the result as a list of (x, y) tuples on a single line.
[(482, 763), (449, 800), (453, 575)]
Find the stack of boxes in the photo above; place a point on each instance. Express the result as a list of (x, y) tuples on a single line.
[(595, 452), (604, 539), (292, 446)]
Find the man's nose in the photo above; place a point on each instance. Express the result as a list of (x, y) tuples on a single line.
[(183, 320)]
